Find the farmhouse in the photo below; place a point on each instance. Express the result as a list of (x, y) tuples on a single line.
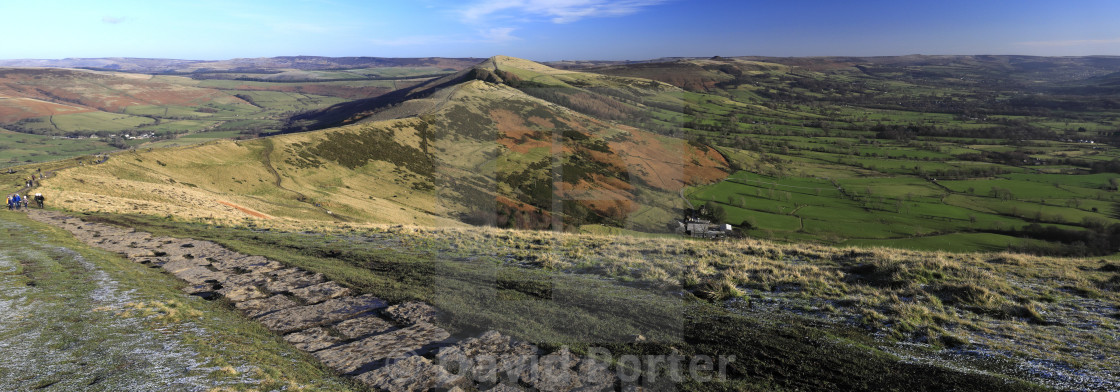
[(700, 228)]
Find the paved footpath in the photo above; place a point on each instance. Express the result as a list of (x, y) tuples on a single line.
[(394, 348)]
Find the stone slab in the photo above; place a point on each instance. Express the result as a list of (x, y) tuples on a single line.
[(199, 275), (259, 307), (332, 311), (312, 340), (288, 279), (320, 292), (379, 349), (176, 264), (363, 326), (247, 264), (489, 359), (242, 293), (234, 280), (505, 388), (413, 312), (414, 373)]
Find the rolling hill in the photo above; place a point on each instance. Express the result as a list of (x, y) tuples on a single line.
[(32, 93), (173, 66), (154, 102), (901, 150), (461, 148)]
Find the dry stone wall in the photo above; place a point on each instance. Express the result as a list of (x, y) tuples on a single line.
[(394, 348)]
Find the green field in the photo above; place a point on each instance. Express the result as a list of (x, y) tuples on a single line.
[(20, 148), (285, 101), (86, 123), (905, 211)]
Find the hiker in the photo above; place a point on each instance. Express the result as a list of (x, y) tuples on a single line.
[(16, 201), (25, 201), (9, 202), (39, 200)]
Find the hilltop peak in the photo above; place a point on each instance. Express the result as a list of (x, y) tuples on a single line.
[(506, 62)]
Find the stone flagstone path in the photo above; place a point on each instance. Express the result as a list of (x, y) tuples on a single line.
[(394, 348)]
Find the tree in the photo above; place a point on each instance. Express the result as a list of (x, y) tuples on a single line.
[(715, 211)]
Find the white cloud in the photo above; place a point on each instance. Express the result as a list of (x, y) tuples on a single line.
[(1075, 42), (499, 34), (489, 36), (558, 11), (113, 20)]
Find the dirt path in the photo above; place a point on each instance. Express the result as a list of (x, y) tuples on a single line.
[(39, 176), (686, 201)]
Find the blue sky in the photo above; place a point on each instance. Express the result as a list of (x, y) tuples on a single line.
[(553, 29)]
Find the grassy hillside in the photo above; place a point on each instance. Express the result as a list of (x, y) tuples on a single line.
[(230, 181), (481, 153)]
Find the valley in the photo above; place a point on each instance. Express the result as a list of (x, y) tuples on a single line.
[(126, 103), (962, 174), (902, 222)]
